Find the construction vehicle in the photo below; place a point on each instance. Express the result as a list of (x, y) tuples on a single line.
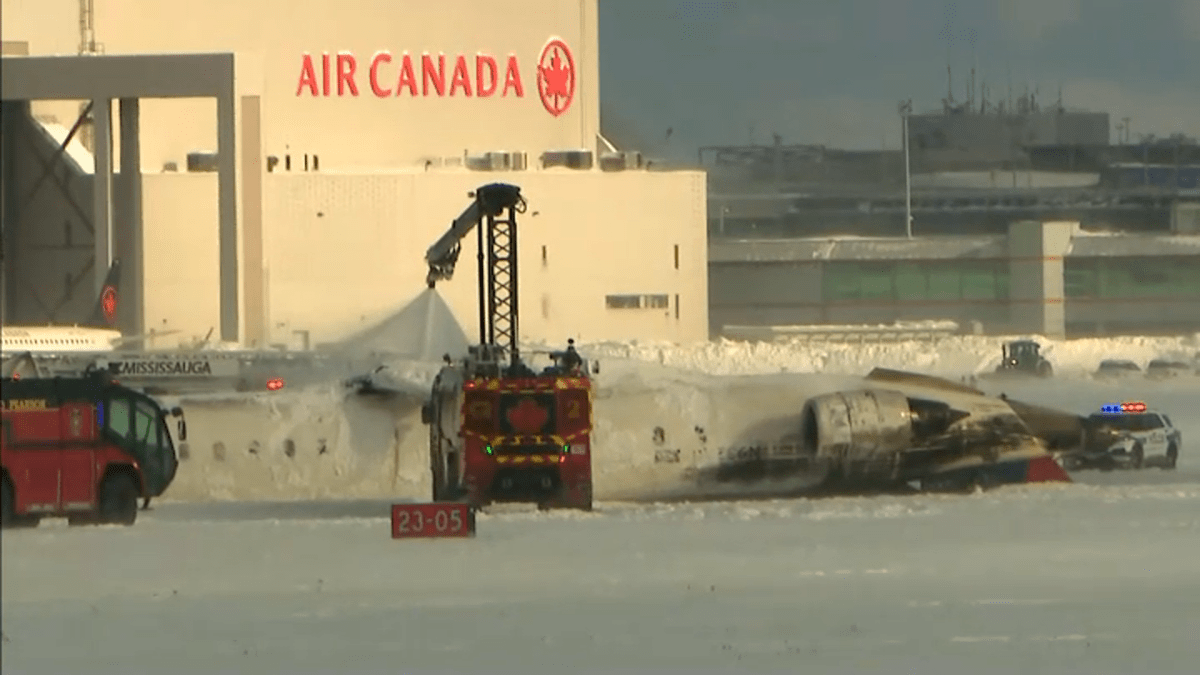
[(1024, 357), (498, 430), (86, 448)]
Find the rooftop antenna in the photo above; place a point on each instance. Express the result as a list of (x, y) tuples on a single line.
[(974, 67), (1010, 99), (949, 71)]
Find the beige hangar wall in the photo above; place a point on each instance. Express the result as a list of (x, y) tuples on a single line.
[(345, 251)]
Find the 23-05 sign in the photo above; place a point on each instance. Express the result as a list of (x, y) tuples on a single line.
[(439, 519)]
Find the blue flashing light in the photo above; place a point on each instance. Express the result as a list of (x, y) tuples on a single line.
[(1123, 408)]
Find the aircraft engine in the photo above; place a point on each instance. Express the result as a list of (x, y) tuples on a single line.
[(867, 430)]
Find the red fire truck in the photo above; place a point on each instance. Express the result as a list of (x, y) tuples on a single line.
[(499, 431), (514, 438), (85, 448)]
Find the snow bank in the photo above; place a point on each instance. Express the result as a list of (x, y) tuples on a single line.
[(953, 356)]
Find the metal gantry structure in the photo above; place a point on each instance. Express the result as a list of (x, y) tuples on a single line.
[(493, 214)]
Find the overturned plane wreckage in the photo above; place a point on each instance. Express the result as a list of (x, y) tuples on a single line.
[(684, 436), (907, 428), (762, 437)]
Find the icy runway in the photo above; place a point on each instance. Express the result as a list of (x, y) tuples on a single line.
[(1053, 579)]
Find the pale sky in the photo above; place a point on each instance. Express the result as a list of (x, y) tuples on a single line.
[(832, 71)]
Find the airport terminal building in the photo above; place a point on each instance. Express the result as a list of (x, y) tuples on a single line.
[(272, 172)]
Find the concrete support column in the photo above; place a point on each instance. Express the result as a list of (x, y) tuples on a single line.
[(8, 215), (253, 287), (102, 189), (227, 214), (1036, 288), (133, 308), (14, 115)]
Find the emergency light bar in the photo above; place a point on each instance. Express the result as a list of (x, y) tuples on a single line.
[(1122, 408)]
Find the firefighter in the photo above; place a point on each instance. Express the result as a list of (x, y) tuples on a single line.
[(571, 361)]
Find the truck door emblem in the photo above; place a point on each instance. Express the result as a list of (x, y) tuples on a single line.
[(527, 416)]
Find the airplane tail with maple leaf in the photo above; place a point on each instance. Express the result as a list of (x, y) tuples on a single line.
[(104, 313)]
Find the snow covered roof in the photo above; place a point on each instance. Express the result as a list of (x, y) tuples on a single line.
[(1134, 245), (859, 248), (937, 248)]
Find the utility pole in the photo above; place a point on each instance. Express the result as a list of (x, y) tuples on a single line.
[(906, 110), (87, 28), (87, 47)]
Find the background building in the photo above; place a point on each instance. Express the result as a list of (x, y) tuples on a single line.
[(360, 128), (813, 235), (1089, 285)]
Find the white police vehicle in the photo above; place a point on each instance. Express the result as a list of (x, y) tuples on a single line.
[(1126, 436)]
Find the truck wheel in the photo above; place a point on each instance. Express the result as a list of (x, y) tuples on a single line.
[(1044, 369), (8, 509), (1139, 456), (8, 504), (1172, 457), (119, 499)]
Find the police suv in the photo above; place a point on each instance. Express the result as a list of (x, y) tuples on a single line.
[(1126, 435)]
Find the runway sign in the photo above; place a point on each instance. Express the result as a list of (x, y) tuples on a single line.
[(436, 520)]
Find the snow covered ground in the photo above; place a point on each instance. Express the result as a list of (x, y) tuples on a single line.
[(1050, 579), (1095, 577)]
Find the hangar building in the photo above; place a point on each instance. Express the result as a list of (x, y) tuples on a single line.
[(277, 168)]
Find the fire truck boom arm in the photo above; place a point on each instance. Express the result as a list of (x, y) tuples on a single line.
[(488, 200)]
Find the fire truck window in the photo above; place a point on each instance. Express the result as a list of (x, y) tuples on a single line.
[(164, 435), (120, 418), (146, 424)]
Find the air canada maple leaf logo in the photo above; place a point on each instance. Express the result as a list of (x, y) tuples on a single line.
[(527, 416), (556, 77), (108, 303)]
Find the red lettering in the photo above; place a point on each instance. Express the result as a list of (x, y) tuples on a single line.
[(481, 61), (512, 78), (461, 79), (381, 57), (325, 70), (345, 70), (433, 76), (428, 76), (407, 79), (308, 77)]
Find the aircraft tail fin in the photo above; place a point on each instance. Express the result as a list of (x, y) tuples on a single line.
[(104, 315)]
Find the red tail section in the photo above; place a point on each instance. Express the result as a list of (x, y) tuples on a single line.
[(1045, 469)]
